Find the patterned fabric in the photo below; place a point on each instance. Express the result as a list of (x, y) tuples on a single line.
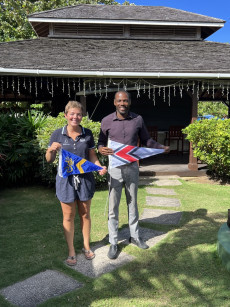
[(124, 154), (70, 164)]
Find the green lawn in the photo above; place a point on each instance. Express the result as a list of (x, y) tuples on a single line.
[(182, 270)]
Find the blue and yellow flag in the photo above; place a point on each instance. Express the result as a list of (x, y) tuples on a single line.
[(71, 164)]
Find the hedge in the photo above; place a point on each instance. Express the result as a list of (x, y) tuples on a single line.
[(211, 144)]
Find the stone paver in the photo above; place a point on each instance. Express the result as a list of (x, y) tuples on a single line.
[(157, 216), (160, 191), (101, 264), (150, 236), (162, 201), (159, 182), (167, 182), (39, 288)]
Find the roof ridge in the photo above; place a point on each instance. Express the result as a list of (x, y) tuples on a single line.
[(126, 7)]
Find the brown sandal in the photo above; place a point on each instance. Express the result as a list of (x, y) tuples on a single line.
[(71, 260), (89, 255)]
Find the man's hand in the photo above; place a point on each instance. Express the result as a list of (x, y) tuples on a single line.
[(105, 151), (167, 149)]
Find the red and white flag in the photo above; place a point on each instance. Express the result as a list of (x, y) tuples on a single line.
[(124, 154)]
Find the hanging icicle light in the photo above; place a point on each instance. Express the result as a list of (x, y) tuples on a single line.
[(2, 85), (84, 88), (164, 96), (63, 85), (13, 83), (74, 85), (169, 96), (227, 91), (100, 87), (47, 84), (154, 96), (187, 86), (106, 88), (36, 87), (222, 89), (68, 87), (52, 87), (95, 87)]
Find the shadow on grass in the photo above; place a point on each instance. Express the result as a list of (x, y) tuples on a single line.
[(182, 269)]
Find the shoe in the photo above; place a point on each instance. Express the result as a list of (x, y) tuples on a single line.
[(89, 255), (113, 251), (71, 260), (138, 242)]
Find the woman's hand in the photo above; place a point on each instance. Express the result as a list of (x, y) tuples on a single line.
[(52, 151), (103, 171), (55, 146)]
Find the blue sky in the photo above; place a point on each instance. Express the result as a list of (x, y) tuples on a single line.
[(213, 8)]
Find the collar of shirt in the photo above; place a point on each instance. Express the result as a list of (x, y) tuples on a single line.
[(116, 118), (64, 131)]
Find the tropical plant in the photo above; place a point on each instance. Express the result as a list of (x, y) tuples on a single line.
[(18, 148)]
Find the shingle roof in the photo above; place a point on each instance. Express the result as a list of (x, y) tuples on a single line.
[(123, 12), (116, 55)]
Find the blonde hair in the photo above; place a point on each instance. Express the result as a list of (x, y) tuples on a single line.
[(73, 104)]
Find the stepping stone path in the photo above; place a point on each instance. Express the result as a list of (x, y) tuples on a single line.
[(101, 264), (161, 191), (157, 216), (150, 236), (48, 284), (162, 201), (39, 288), (160, 181)]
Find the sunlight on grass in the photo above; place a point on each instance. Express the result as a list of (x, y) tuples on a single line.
[(181, 270)]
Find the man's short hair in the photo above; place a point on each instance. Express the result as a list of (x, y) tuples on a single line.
[(123, 91)]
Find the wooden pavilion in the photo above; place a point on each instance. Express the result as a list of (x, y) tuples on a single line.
[(158, 54)]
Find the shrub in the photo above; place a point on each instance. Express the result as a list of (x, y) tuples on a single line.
[(48, 171), (211, 144), (18, 150)]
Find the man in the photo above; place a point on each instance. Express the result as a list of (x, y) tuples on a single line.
[(124, 127)]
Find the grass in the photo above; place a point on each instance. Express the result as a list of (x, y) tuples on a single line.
[(182, 270)]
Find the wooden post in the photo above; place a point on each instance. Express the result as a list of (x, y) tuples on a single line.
[(193, 166), (83, 102)]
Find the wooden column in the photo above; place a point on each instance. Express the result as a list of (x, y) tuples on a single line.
[(193, 166), (83, 102)]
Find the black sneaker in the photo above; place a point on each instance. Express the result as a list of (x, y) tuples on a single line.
[(113, 251), (138, 242)]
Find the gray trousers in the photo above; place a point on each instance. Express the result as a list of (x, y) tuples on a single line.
[(127, 175)]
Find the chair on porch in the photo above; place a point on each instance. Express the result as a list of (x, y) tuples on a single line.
[(175, 134), (153, 132)]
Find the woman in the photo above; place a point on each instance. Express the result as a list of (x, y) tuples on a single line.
[(79, 141)]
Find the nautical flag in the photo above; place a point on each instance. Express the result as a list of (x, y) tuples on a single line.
[(124, 154), (71, 164)]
